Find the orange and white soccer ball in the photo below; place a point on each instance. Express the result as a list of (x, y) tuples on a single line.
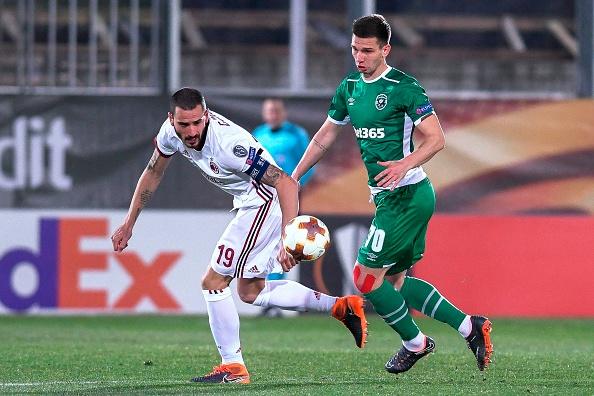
[(306, 238)]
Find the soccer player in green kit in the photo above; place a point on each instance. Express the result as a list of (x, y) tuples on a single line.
[(397, 131)]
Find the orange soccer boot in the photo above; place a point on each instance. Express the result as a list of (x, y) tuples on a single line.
[(349, 310), (226, 373), (479, 341)]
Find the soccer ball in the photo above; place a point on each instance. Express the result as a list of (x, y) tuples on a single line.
[(306, 238)]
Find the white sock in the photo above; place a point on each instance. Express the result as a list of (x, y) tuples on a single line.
[(224, 324), (293, 296), (465, 327), (416, 344)]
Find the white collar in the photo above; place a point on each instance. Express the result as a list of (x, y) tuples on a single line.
[(385, 72)]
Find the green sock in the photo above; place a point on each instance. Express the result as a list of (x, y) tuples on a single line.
[(425, 298), (390, 305)]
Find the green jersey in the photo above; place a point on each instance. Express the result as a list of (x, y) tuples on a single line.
[(384, 113)]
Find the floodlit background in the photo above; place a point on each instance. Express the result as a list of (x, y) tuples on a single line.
[(84, 87)]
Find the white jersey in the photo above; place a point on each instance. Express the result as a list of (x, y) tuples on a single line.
[(227, 154)]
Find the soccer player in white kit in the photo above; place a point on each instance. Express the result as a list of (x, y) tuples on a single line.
[(265, 198)]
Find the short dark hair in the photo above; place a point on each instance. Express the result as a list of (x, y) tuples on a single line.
[(374, 25), (186, 99)]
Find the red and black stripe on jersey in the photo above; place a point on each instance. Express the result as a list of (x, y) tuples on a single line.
[(255, 228)]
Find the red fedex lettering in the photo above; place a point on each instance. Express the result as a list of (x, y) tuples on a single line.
[(72, 261), (146, 280)]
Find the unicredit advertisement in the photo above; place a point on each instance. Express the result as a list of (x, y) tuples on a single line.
[(64, 261)]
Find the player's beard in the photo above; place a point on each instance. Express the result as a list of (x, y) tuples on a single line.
[(195, 145), (198, 139)]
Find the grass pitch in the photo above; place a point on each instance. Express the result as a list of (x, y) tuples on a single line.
[(305, 355)]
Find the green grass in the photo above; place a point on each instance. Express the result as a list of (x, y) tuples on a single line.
[(306, 355)]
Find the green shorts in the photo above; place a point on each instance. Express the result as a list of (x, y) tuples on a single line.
[(396, 237)]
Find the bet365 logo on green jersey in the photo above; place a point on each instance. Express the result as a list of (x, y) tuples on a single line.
[(369, 133)]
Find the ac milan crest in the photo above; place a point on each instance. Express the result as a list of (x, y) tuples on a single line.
[(214, 167)]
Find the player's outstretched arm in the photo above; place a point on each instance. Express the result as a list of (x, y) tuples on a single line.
[(146, 186), (316, 149), (288, 197)]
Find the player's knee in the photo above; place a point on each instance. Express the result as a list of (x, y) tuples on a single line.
[(248, 293), (397, 279), (207, 283), (247, 296), (248, 290), (364, 281), (213, 281)]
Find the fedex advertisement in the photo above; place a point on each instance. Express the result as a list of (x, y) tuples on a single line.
[(64, 261)]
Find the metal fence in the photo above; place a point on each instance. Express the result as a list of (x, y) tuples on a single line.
[(455, 48), (290, 47), (84, 47)]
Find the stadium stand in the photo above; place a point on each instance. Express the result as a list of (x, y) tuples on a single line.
[(86, 44), (518, 45), (450, 45)]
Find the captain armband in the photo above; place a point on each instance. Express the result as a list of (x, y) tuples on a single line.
[(258, 165)]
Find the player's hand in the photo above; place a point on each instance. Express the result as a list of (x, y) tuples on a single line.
[(391, 176), (120, 238), (286, 260)]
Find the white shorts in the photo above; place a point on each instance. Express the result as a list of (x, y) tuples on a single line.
[(250, 244)]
